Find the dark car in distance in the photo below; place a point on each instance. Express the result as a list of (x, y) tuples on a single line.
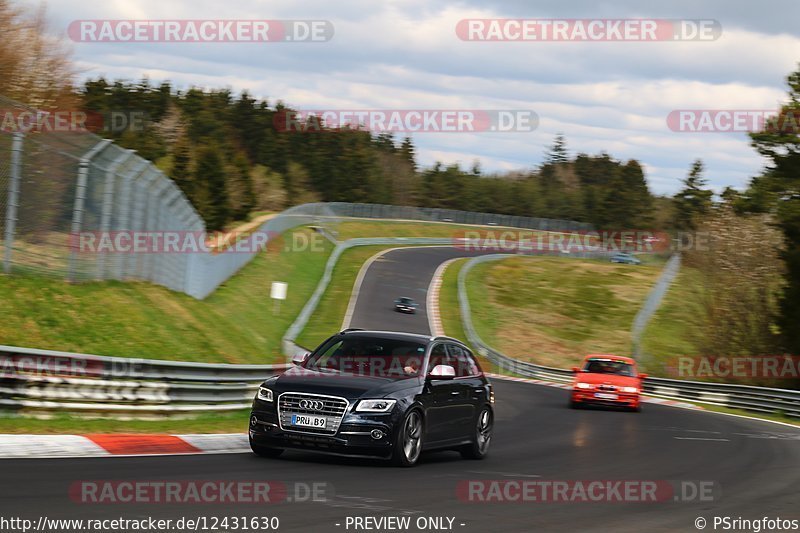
[(377, 394), (405, 305)]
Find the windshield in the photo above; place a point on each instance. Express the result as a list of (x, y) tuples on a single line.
[(609, 366), (405, 300), (396, 358)]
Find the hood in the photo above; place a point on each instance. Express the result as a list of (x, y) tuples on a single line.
[(607, 379), (350, 386)]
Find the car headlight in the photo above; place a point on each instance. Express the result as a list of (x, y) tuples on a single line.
[(629, 389), (265, 394), (375, 406), (583, 385)]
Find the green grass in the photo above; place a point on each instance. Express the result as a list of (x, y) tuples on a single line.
[(673, 329), (329, 314), (381, 228), (235, 324), (70, 424), (449, 310), (553, 310)]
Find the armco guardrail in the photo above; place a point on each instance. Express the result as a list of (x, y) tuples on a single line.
[(653, 301), (756, 399), (51, 380)]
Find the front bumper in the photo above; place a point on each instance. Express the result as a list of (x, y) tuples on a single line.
[(354, 437), (624, 399)]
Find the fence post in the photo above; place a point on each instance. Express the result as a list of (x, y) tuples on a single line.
[(13, 199), (125, 211), (80, 197), (108, 204)]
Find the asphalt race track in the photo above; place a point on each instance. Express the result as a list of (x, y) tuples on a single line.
[(754, 466), (401, 272)]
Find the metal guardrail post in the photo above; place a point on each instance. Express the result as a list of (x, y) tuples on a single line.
[(653, 301), (108, 204), (125, 211), (13, 199), (80, 197)]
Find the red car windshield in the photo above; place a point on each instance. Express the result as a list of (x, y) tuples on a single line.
[(609, 366)]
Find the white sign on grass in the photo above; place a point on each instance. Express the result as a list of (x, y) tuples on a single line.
[(278, 291)]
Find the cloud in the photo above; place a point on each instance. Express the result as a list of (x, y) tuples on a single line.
[(406, 55)]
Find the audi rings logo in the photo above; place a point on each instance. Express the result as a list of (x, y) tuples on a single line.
[(313, 405)]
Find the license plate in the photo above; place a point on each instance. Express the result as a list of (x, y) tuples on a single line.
[(318, 422), (605, 396)]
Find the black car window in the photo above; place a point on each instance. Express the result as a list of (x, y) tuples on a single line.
[(462, 361), (373, 356), (438, 357)]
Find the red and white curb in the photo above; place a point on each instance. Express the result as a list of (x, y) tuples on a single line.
[(646, 399), (432, 301), (119, 445)]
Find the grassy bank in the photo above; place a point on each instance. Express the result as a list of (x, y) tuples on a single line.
[(673, 329), (236, 324), (553, 310), (67, 424)]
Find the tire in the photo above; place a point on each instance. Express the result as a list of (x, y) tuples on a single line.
[(408, 442), (264, 451), (574, 405), (479, 447)]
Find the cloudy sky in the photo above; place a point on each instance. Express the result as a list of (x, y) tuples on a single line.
[(603, 96)]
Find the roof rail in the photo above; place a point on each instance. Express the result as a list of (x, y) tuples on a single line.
[(446, 338)]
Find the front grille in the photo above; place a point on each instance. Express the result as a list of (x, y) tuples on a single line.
[(333, 409), (606, 388)]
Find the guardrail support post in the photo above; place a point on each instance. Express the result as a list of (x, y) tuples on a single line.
[(13, 199), (108, 204), (77, 209)]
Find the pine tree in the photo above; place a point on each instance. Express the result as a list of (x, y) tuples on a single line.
[(694, 200), (210, 177), (557, 154)]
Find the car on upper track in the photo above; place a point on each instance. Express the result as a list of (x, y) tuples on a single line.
[(377, 394), (607, 380), (405, 304), (625, 258)]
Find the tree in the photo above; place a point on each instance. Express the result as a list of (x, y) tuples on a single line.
[(35, 68), (181, 172), (557, 153), (778, 191), (694, 200), (740, 270), (210, 178)]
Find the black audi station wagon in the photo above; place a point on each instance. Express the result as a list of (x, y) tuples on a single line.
[(377, 394)]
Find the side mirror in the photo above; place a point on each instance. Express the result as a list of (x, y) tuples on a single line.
[(300, 358), (643, 376), (576, 369), (442, 372)]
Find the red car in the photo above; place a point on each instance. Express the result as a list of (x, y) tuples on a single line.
[(607, 380)]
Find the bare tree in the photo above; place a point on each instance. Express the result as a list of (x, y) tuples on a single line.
[(740, 269), (35, 66)]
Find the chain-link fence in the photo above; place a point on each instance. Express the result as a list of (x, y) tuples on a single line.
[(76, 206), (453, 216)]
